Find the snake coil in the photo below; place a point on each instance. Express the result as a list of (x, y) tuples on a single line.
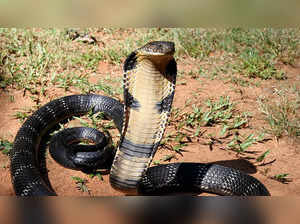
[(149, 86)]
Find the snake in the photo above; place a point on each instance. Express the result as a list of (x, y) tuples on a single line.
[(149, 81)]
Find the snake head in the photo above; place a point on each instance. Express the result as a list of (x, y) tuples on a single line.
[(160, 53), (158, 48)]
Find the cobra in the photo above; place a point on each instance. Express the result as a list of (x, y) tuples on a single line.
[(149, 87)]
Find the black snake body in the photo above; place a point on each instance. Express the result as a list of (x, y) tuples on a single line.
[(149, 85)]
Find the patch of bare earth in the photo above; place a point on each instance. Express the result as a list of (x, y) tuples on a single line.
[(285, 152)]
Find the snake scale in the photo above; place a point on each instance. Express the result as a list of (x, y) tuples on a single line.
[(149, 85)]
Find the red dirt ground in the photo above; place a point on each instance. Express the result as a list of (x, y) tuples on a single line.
[(286, 151)]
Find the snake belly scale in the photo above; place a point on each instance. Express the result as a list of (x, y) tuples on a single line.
[(149, 86)]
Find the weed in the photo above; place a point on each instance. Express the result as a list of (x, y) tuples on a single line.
[(89, 60), (263, 156), (282, 116), (180, 140), (81, 184), (105, 88), (5, 146), (96, 174), (21, 116), (238, 122), (241, 143), (164, 159), (235, 79), (217, 112), (282, 178), (253, 65), (96, 120)]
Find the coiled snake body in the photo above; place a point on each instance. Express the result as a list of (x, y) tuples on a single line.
[(149, 85)]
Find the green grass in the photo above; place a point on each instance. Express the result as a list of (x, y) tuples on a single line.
[(81, 184), (263, 156), (96, 174), (97, 121), (213, 115), (88, 60), (241, 143), (216, 112), (253, 53), (5, 146), (21, 116), (282, 178), (282, 115), (252, 64), (32, 57), (29, 55)]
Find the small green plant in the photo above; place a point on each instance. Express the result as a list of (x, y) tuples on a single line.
[(180, 142), (195, 117), (263, 156), (238, 122), (96, 174), (21, 116), (282, 178), (114, 56), (109, 90), (241, 143), (81, 184), (89, 59), (164, 159), (253, 65), (65, 81), (179, 147), (282, 116), (238, 80), (179, 138), (5, 146), (217, 112), (96, 120)]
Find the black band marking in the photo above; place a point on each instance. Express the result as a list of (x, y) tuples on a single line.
[(130, 101), (130, 62), (165, 104)]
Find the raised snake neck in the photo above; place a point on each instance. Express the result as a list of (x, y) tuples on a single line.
[(149, 85)]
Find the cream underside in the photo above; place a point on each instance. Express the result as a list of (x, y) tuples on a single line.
[(149, 87)]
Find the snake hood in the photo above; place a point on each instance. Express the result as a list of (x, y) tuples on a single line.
[(159, 53)]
